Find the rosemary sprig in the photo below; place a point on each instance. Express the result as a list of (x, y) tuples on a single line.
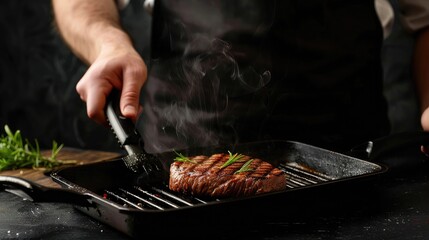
[(17, 152), (232, 159), (182, 158), (245, 167)]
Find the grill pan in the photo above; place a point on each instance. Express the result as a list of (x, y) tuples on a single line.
[(109, 192)]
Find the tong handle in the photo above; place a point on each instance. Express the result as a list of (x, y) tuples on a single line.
[(138, 160), (123, 127)]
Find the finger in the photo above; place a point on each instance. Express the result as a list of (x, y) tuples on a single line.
[(95, 103), (425, 119), (130, 96), (80, 89), (425, 150)]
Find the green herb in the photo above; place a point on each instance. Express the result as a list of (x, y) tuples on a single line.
[(245, 167), (232, 159), (17, 152), (181, 158)]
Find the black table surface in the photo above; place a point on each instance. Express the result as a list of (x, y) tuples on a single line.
[(394, 206)]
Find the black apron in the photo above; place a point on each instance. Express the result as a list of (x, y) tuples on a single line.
[(225, 72)]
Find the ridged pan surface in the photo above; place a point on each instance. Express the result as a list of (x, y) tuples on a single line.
[(305, 166)]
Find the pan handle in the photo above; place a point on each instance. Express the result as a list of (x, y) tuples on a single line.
[(374, 149), (38, 193)]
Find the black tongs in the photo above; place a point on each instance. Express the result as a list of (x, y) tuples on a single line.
[(138, 160)]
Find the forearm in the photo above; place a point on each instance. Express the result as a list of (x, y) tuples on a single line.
[(421, 67), (89, 26), (421, 74)]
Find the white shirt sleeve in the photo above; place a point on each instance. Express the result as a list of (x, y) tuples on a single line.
[(122, 3), (414, 14), (386, 15), (147, 4)]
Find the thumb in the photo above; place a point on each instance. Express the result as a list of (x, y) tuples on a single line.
[(130, 95), (129, 102)]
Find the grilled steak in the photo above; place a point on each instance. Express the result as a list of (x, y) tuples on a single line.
[(211, 176)]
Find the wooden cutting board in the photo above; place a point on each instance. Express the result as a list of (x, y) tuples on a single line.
[(42, 177)]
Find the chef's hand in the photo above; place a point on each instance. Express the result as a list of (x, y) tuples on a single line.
[(116, 67)]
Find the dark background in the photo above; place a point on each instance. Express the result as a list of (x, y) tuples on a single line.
[(38, 75)]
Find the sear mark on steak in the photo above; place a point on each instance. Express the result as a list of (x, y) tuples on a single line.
[(203, 176)]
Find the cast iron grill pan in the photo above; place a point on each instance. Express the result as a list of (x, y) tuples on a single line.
[(126, 204), (304, 165), (111, 193)]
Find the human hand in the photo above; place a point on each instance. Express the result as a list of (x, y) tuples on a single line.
[(116, 67)]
